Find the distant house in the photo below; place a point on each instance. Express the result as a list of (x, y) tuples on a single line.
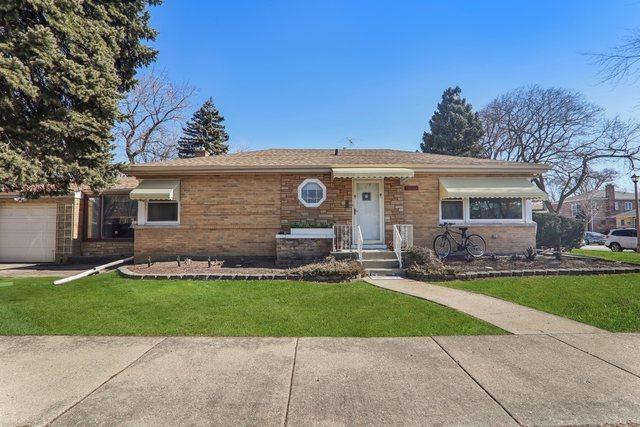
[(602, 209)]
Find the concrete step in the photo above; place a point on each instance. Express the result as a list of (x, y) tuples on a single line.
[(380, 263), (366, 255), (375, 247), (384, 271)]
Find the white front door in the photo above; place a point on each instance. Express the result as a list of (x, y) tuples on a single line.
[(367, 211)]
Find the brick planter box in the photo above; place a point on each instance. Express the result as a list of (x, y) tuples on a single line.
[(294, 250)]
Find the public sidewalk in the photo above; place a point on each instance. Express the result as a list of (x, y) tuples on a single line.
[(575, 379), (506, 315)]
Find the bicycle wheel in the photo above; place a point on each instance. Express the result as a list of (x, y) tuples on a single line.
[(475, 245), (442, 246)]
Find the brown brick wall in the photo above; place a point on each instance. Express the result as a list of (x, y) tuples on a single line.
[(220, 216), (296, 251), (239, 215), (108, 248), (421, 208), (336, 208), (393, 207)]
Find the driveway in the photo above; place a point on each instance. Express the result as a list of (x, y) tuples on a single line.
[(479, 380), (42, 270)]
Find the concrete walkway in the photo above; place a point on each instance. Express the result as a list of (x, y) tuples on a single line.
[(478, 380), (506, 315)]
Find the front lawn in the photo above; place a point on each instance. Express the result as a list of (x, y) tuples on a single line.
[(610, 302), (629, 257), (110, 305)]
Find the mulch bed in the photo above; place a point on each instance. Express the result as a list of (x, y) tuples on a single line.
[(460, 269), (541, 262), (201, 267)]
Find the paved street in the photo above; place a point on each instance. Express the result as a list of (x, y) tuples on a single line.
[(485, 380)]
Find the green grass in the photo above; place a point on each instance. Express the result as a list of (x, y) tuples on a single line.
[(629, 257), (610, 302), (110, 305)]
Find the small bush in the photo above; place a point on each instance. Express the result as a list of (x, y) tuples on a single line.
[(424, 261), (530, 254), (311, 223), (331, 270), (554, 230)]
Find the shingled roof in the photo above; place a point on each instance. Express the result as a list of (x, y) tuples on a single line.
[(322, 159)]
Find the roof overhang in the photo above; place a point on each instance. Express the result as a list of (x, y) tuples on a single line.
[(371, 173), (156, 189), (458, 187), (142, 170)]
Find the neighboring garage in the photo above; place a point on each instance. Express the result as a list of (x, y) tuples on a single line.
[(27, 233), (40, 230)]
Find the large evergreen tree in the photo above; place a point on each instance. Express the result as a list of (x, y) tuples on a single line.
[(64, 65), (204, 131), (455, 128)]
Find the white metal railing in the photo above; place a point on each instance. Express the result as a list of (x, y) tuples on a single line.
[(397, 244), (402, 239), (406, 231), (359, 242), (342, 237), (347, 237)]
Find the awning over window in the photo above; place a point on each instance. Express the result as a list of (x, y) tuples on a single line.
[(454, 188), (372, 173), (156, 189)]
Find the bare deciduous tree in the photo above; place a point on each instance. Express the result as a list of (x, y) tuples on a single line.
[(559, 128), (622, 62), (150, 120)]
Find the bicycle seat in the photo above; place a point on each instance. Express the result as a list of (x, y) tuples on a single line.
[(463, 228)]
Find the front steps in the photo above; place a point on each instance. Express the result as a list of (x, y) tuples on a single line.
[(381, 262)]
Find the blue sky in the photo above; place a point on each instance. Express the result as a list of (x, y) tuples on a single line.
[(311, 73)]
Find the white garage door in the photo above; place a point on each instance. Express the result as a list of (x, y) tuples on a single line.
[(27, 233)]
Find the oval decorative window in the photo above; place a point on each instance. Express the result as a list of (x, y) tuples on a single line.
[(312, 192)]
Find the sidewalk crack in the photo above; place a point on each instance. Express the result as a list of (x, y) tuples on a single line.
[(478, 383), (596, 356), (104, 382), (293, 367)]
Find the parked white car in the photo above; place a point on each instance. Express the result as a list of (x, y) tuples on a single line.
[(621, 238)]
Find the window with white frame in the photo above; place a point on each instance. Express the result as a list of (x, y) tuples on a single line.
[(452, 210), (312, 192), (616, 206), (495, 208), (162, 211), (628, 206), (483, 209)]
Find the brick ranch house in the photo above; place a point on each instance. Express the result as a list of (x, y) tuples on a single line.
[(80, 226), (257, 204), (602, 209)]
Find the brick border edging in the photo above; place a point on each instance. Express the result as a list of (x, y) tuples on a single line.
[(124, 271), (521, 273)]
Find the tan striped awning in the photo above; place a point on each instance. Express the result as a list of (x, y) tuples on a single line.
[(455, 188), (156, 189), (371, 173)]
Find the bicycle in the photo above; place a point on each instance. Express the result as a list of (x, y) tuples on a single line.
[(473, 244)]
